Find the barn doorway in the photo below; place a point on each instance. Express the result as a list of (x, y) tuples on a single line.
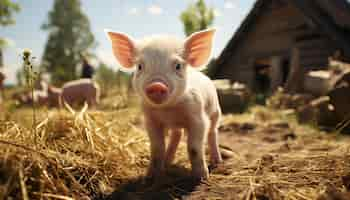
[(270, 73), (262, 82), (285, 71)]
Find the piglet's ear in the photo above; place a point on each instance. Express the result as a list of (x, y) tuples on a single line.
[(198, 48), (123, 49)]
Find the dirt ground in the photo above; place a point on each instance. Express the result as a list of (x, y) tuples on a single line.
[(267, 156)]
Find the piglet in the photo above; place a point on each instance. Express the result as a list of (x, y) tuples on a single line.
[(175, 96), (40, 97), (80, 91)]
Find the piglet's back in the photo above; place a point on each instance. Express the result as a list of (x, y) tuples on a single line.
[(82, 89), (205, 87), (80, 82)]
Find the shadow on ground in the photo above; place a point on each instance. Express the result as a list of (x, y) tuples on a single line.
[(176, 184)]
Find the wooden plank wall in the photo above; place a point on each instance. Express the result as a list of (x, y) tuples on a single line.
[(314, 52)]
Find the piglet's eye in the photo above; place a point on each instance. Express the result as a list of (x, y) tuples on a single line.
[(139, 67), (178, 66)]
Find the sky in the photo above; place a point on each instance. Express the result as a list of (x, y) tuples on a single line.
[(135, 17)]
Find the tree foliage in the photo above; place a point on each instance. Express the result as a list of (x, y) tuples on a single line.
[(110, 79), (69, 37), (7, 9), (197, 17), (105, 76)]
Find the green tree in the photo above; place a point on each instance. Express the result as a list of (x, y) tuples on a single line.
[(197, 17), (7, 9), (106, 77), (112, 81), (69, 37)]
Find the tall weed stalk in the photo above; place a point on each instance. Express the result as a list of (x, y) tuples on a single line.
[(30, 78)]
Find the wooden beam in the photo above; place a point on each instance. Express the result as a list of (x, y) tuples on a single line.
[(296, 74), (312, 43)]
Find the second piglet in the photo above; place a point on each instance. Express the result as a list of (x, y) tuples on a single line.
[(80, 91), (175, 97)]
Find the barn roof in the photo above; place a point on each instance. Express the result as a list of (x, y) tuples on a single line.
[(330, 16)]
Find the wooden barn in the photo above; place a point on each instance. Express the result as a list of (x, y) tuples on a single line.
[(280, 40)]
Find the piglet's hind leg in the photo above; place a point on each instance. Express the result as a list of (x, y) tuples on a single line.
[(215, 156)]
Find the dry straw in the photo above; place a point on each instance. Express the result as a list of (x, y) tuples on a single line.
[(78, 153), (82, 154)]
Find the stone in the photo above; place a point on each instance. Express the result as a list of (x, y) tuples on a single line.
[(232, 97)]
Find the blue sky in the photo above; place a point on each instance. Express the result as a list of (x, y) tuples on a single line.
[(135, 17)]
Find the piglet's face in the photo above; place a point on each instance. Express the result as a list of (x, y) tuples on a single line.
[(160, 74), (160, 64)]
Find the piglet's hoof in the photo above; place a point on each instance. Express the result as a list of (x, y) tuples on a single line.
[(214, 166), (197, 179), (200, 174), (154, 175)]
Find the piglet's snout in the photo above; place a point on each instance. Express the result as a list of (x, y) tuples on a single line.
[(157, 92)]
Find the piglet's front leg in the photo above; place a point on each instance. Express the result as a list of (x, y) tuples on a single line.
[(157, 141), (174, 140), (197, 132)]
